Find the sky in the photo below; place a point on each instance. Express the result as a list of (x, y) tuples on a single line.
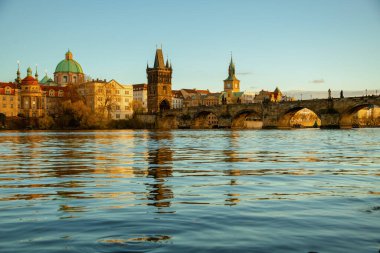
[(292, 44)]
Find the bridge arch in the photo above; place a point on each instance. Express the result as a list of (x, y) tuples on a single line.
[(205, 119), (299, 117), (247, 119), (361, 115), (164, 105)]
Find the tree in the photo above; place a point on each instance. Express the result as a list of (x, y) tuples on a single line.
[(2, 118), (137, 106), (109, 102)]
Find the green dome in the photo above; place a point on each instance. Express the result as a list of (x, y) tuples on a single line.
[(69, 65)]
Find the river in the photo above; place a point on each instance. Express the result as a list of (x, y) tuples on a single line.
[(305, 190)]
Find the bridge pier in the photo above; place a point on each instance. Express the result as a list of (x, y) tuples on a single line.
[(330, 120)]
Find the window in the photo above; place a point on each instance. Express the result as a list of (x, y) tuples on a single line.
[(127, 92), (60, 93), (118, 116), (51, 93), (118, 107), (75, 79), (117, 92), (4, 98), (126, 108), (127, 100), (11, 105), (165, 91), (4, 105), (11, 98), (65, 79)]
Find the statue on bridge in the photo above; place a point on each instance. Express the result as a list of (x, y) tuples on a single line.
[(329, 94), (341, 94)]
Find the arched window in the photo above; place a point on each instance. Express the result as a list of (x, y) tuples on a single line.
[(51, 93)]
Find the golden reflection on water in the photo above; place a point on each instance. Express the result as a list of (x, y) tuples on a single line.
[(160, 159), (145, 154)]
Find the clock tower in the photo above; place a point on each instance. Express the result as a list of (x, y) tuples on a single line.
[(231, 84)]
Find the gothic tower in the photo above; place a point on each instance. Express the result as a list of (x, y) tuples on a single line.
[(159, 84), (231, 84)]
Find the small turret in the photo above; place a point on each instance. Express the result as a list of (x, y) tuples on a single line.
[(36, 74), (69, 55), (18, 78), (29, 71)]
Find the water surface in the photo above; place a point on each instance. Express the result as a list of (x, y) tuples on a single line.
[(190, 191)]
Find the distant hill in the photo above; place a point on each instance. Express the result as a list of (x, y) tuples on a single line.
[(324, 94)]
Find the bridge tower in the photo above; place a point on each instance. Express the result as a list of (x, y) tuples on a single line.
[(159, 84)]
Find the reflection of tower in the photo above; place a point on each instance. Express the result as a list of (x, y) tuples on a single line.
[(159, 84), (231, 157), (160, 167)]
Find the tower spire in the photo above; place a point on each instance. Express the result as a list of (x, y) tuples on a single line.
[(36, 74), (18, 78), (159, 59)]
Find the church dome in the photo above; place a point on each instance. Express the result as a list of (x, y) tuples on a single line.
[(69, 65)]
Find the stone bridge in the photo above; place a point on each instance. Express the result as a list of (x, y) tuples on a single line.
[(333, 113)]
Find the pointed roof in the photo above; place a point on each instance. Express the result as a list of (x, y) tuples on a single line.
[(159, 59), (231, 71), (45, 79)]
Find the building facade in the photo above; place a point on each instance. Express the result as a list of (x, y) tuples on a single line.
[(9, 98), (32, 98), (110, 99), (159, 84), (275, 96), (140, 97), (177, 99)]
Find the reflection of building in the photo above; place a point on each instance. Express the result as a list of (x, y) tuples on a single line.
[(111, 98), (160, 167), (159, 84), (68, 71), (140, 95)]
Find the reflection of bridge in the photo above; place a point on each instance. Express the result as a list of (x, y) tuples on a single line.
[(333, 113)]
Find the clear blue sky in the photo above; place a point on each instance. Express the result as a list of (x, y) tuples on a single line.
[(293, 44)]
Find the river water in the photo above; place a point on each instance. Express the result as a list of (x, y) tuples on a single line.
[(304, 190)]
